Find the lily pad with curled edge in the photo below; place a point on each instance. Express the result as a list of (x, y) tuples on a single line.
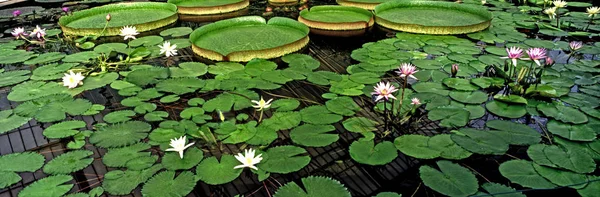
[(313, 186), (506, 110), (337, 20), (215, 172), (145, 16), (415, 17), (228, 40), (364, 4), (208, 7), (366, 152)]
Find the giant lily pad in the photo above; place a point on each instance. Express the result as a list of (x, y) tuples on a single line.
[(417, 17), (145, 16), (206, 7), (229, 40), (326, 18)]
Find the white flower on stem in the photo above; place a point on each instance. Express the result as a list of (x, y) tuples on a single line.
[(168, 49), (415, 101), (179, 145), (248, 159), (551, 12), (559, 3), (592, 11), (407, 69), (38, 32), (72, 80), (262, 104), (19, 32), (575, 45), (129, 32)]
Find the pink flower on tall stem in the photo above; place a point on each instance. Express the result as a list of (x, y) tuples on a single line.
[(415, 101), (384, 91), (16, 13), (514, 53), (575, 45), (407, 70), (536, 54)]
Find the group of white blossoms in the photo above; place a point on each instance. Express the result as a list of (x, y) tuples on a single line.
[(72, 80), (249, 159), (551, 12)]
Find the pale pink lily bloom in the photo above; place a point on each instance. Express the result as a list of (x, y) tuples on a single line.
[(38, 32), (415, 101), (384, 91), (536, 54), (514, 53), (575, 45), (549, 61), (19, 32), (407, 69)]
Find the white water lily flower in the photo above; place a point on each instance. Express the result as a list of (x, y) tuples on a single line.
[(262, 104), (168, 49), (38, 32), (592, 11), (129, 32), (248, 159), (72, 80), (551, 12), (179, 145), (559, 3)]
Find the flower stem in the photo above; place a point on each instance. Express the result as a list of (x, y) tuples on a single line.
[(591, 21), (261, 116), (385, 119)]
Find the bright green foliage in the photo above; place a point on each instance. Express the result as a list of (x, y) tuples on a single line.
[(424, 147), (166, 184), (476, 97), (388, 194), (505, 109), (119, 157), (555, 156), (561, 177), (10, 121), (13, 77), (522, 172), (119, 182), (191, 157), (180, 85), (64, 129), (53, 107), (562, 113), (319, 115), (592, 189), (52, 186), (8, 178), (69, 162), (480, 141), (118, 116), (282, 120), (21, 162), (450, 116), (496, 188), (45, 58), (460, 84), (284, 159), (313, 186), (452, 179), (314, 135), (34, 89), (581, 132), (361, 125), (285, 104), (121, 134), (176, 32), (213, 172), (366, 152), (342, 105), (514, 133)]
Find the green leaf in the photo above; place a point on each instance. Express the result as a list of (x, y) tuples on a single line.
[(284, 159), (118, 116), (282, 120), (64, 129), (562, 113), (21, 162), (301, 61), (121, 134), (592, 189), (213, 172), (146, 41), (45, 58), (189, 69), (522, 172), (166, 184), (52, 186), (69, 162), (424, 147), (582, 132), (94, 82), (8, 178), (314, 135), (191, 158), (223, 68), (555, 156), (344, 106), (180, 86), (388, 194), (119, 157), (480, 141), (285, 104), (476, 97), (119, 182), (82, 57), (223, 102), (10, 121), (13, 77), (432, 87), (460, 84), (264, 136), (361, 125), (30, 90), (506, 110), (496, 188), (364, 78), (319, 115), (190, 112), (450, 116), (176, 32), (313, 186), (515, 133), (561, 177), (366, 152), (511, 99), (156, 116), (145, 76), (452, 179)]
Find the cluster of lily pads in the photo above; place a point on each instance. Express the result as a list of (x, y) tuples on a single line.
[(540, 112)]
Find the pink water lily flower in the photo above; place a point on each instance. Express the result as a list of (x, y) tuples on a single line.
[(415, 101), (16, 13), (19, 32), (536, 54), (38, 32), (384, 91), (407, 69), (549, 61), (575, 45), (65, 9), (514, 53)]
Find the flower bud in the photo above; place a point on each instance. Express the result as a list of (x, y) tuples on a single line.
[(549, 61), (16, 13), (65, 9), (108, 17), (454, 69)]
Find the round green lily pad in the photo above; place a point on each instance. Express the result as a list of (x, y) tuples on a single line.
[(145, 16), (245, 38), (432, 17), (206, 7), (327, 18), (506, 110), (364, 4)]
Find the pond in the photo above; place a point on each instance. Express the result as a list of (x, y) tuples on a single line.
[(299, 98)]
